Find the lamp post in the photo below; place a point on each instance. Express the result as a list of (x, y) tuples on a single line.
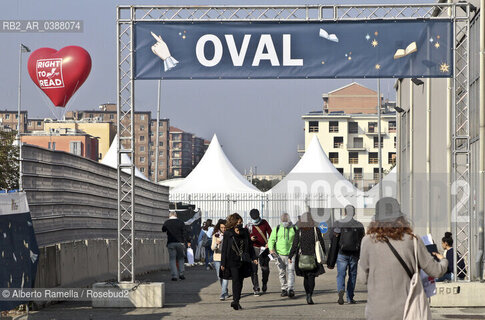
[(22, 50)]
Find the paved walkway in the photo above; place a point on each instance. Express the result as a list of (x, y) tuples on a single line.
[(198, 298)]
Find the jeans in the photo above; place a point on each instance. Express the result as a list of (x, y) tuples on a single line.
[(224, 282), (287, 273), (264, 263), (446, 277), (344, 263), (176, 253), (208, 256)]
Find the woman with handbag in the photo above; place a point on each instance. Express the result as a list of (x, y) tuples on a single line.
[(216, 246), (236, 256), (308, 248), (390, 258)]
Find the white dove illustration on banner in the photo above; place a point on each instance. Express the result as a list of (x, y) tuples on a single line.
[(331, 37), (161, 50)]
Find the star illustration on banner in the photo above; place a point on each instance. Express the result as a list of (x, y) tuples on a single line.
[(323, 62), (438, 36), (444, 67), (431, 40), (376, 33), (437, 45), (367, 37), (375, 43), (378, 67)]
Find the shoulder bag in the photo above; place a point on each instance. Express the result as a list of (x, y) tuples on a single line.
[(318, 248), (306, 262), (417, 305)]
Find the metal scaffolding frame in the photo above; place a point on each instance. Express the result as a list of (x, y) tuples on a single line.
[(127, 16)]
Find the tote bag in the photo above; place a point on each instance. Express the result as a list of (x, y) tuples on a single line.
[(417, 305), (318, 249)]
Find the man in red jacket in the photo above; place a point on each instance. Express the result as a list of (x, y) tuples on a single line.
[(260, 231)]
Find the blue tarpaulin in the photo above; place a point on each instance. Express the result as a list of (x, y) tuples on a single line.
[(18, 247)]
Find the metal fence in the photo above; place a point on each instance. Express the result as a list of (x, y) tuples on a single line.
[(73, 198)]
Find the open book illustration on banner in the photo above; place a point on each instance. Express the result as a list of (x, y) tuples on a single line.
[(412, 47), (161, 50), (331, 37)]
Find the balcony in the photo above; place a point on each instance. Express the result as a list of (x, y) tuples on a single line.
[(353, 160), (334, 160), (373, 160), (356, 147), (373, 132), (333, 129)]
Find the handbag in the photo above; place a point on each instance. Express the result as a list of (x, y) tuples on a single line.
[(417, 305), (306, 262), (318, 248)]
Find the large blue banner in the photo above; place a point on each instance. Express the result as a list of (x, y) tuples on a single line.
[(243, 50)]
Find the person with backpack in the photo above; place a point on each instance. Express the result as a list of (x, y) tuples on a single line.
[(345, 249), (390, 259), (260, 231), (279, 245)]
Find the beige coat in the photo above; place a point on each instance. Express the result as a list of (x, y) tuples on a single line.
[(387, 281), (217, 248)]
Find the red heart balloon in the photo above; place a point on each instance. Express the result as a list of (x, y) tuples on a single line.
[(59, 73)]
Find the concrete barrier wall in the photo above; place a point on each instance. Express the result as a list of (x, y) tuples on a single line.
[(73, 203)]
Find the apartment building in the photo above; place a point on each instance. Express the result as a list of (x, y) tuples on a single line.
[(9, 120), (349, 134), (65, 139), (163, 149), (181, 153)]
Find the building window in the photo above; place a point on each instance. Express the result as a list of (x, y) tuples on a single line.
[(372, 127), (29, 123), (353, 157), (142, 138), (75, 147), (391, 158), (376, 173), (160, 143), (7, 116), (376, 142), (313, 126), (338, 142), (111, 116), (353, 127), (392, 126), (395, 142), (39, 123), (160, 133), (142, 128), (142, 148), (142, 170), (142, 117), (357, 173), (373, 158), (358, 142), (333, 126), (16, 117), (142, 159), (91, 115), (341, 170), (333, 157), (48, 145), (160, 172), (160, 154)]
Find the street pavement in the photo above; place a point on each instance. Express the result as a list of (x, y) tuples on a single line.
[(197, 297)]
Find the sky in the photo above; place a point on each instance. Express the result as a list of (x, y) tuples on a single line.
[(258, 122)]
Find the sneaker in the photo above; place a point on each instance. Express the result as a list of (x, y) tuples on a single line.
[(341, 297), (352, 301), (182, 277), (174, 279), (284, 293), (265, 287), (257, 293), (291, 293), (222, 298), (207, 268)]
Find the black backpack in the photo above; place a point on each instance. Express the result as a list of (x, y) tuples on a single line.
[(349, 240)]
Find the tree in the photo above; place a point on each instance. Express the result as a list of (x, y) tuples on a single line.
[(264, 185), (9, 161)]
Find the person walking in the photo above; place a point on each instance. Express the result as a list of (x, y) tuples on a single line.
[(236, 256), (209, 254), (388, 237), (447, 245), (176, 238), (216, 246), (345, 249), (279, 244), (304, 254), (260, 231)]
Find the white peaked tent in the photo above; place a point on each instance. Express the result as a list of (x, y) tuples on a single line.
[(214, 174), (314, 175), (171, 183), (389, 189), (111, 159)]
